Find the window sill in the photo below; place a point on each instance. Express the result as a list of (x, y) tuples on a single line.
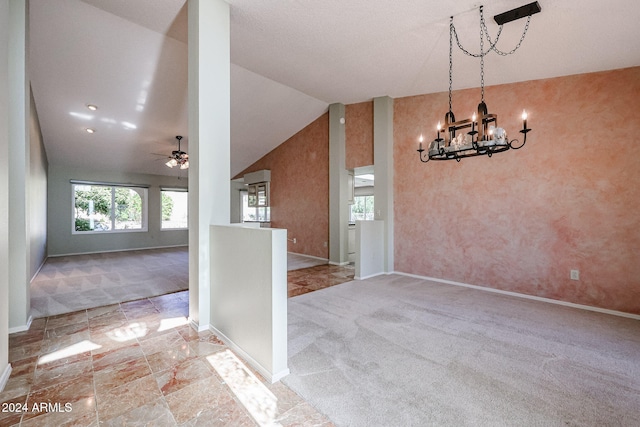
[(87, 233)]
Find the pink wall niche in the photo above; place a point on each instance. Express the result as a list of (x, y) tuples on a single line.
[(300, 187), (359, 134), (521, 220)]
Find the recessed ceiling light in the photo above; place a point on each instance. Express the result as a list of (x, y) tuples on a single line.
[(89, 130), (92, 107)]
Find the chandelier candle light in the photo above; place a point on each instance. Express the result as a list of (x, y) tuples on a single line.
[(479, 135)]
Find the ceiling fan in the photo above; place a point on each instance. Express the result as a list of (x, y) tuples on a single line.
[(178, 157)]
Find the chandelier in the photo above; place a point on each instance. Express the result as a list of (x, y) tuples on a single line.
[(479, 135), (178, 157)]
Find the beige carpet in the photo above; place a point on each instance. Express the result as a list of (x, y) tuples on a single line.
[(78, 282), (71, 283), (400, 351)]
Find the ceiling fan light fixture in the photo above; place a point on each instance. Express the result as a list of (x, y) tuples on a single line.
[(178, 157)]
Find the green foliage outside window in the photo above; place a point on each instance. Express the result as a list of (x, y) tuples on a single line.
[(167, 206), (362, 208), (104, 208)]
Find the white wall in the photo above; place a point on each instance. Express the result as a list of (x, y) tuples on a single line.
[(338, 188), (5, 368), (383, 165), (364, 191), (249, 295), (61, 241), (236, 201), (37, 197), (19, 295), (370, 249), (209, 142)]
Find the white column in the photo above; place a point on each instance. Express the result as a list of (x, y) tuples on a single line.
[(209, 143), (383, 164), (5, 368), (19, 295), (338, 188)]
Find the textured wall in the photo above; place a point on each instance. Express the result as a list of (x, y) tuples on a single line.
[(359, 134), (300, 187), (521, 220)]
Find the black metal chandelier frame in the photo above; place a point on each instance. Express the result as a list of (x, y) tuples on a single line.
[(479, 135)]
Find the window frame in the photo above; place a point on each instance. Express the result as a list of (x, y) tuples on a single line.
[(372, 213), (266, 210), (175, 190), (144, 207)]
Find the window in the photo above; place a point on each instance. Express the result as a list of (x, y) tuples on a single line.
[(175, 209), (361, 209), (108, 208), (253, 214)]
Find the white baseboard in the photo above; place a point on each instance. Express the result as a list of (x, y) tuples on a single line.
[(38, 270), (525, 296), (118, 250), (269, 376), (308, 256), (196, 327), (4, 378), (339, 264), (21, 328), (370, 276)]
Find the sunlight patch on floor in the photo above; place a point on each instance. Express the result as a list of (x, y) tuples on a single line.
[(130, 332), (72, 350), (258, 399), (174, 322)]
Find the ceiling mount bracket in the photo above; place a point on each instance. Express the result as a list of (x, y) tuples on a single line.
[(517, 13)]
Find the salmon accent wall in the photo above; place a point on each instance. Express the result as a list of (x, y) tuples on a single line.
[(358, 134), (300, 187), (521, 220)]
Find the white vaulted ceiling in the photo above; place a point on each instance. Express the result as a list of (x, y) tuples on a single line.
[(290, 60)]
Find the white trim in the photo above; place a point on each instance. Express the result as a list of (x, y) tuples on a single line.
[(119, 250), (196, 327), (122, 230), (4, 378), (525, 296), (38, 270), (108, 184), (309, 256), (272, 378), (22, 328), (370, 276), (144, 222), (340, 264)]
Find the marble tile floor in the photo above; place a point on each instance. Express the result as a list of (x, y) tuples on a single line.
[(318, 277), (138, 363)]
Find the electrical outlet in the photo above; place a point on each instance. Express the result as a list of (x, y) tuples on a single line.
[(295, 240), (325, 244), (575, 274)]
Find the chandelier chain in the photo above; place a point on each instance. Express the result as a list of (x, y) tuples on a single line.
[(493, 45), (451, 30), (483, 29), (482, 58)]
